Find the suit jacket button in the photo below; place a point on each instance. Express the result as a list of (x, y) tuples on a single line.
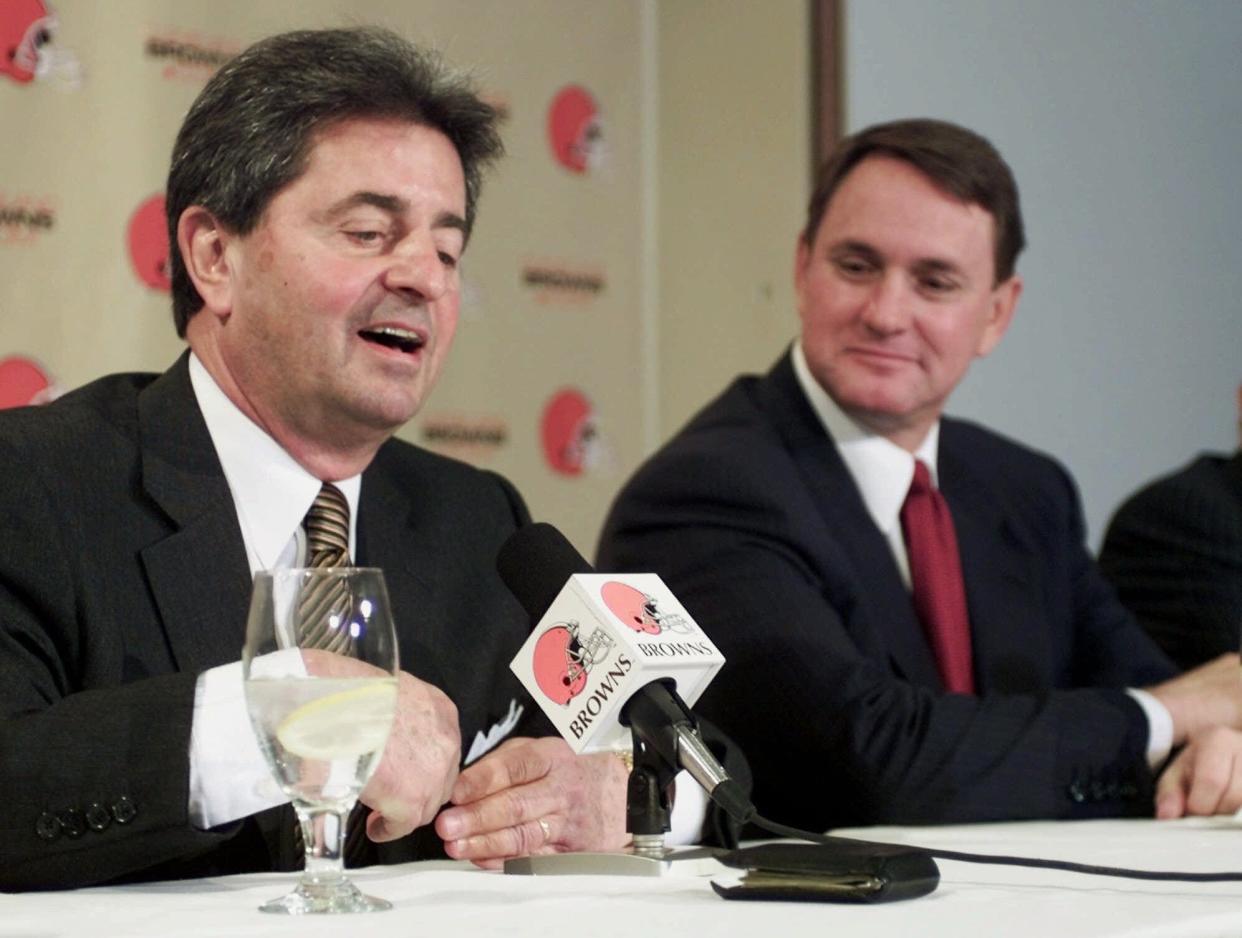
[(97, 816), (1076, 792), (72, 822), (47, 826), (124, 810)]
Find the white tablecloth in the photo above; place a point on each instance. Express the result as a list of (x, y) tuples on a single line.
[(434, 899)]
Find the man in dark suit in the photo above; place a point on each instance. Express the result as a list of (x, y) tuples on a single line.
[(1174, 553), (989, 675), (321, 193)]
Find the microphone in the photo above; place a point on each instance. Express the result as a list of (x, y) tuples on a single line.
[(613, 655)]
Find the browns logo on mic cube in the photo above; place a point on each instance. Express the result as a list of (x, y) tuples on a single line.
[(602, 638)]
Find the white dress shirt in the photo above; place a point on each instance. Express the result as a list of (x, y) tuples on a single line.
[(229, 778), (882, 470)]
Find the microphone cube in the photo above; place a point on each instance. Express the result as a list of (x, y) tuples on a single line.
[(602, 638)]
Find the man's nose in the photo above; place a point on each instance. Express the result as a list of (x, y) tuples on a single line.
[(887, 309), (417, 269)]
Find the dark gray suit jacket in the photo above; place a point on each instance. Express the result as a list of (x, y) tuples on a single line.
[(829, 686), (1174, 553), (123, 575)]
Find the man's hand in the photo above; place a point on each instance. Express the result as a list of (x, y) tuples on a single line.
[(420, 761), (419, 767), (1204, 778), (534, 796), (1208, 696)]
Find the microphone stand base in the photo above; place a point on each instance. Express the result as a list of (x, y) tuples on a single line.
[(619, 864)]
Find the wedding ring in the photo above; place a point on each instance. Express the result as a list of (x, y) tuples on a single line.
[(546, 828)]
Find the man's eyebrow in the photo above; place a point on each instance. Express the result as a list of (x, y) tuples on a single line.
[(850, 246), (924, 266), (386, 203), (450, 220), (938, 265)]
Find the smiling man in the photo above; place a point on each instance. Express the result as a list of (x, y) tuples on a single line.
[(902, 598), (322, 191)]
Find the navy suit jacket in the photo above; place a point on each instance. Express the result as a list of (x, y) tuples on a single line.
[(1174, 553), (123, 575), (830, 686)]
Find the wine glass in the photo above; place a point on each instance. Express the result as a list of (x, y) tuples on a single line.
[(320, 666)]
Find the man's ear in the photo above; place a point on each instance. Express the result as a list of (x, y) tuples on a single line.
[(802, 260), (1000, 314), (203, 242)]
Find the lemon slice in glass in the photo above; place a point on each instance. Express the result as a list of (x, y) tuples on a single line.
[(342, 724)]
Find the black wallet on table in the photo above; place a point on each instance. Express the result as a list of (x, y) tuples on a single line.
[(843, 871)]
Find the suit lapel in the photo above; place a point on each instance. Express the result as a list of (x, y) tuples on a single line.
[(852, 541), (1009, 636), (199, 575), (391, 538)]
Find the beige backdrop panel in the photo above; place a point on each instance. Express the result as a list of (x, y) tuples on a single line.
[(562, 334), (734, 177)]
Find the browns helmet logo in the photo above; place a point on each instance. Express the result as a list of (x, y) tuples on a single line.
[(569, 433), (147, 237), (639, 611), (561, 663), (574, 131), (27, 29), (23, 382)]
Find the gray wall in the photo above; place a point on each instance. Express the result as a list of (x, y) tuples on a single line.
[(1122, 120)]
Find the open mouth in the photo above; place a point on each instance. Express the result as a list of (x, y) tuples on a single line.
[(403, 340)]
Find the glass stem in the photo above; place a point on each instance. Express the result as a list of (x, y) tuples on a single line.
[(323, 832)]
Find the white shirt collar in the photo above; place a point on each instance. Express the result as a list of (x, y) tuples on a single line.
[(271, 490), (881, 469)]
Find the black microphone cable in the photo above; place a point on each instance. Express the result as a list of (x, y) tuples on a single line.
[(1068, 866)]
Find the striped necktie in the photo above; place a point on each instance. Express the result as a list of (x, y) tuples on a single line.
[(327, 529), (327, 542), (327, 538)]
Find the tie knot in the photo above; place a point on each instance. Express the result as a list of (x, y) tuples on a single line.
[(921, 483), (327, 528)]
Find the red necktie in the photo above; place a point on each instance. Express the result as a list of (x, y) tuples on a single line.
[(936, 580)]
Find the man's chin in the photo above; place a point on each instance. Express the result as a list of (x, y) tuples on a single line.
[(385, 414), (877, 402), (880, 413)]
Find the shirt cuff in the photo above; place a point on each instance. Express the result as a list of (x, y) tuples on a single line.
[(229, 776), (685, 820), (1159, 726)]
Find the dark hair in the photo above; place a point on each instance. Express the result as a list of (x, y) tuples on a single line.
[(250, 132), (956, 160)]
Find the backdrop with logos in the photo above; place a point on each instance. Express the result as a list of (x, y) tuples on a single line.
[(545, 381)]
